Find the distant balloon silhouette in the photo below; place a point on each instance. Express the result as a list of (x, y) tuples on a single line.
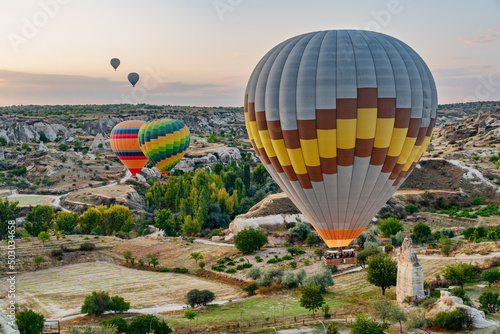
[(125, 145), (164, 142), (133, 78), (340, 118), (115, 62)]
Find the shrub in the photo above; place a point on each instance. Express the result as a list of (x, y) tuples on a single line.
[(300, 231), (118, 304), (29, 322), (178, 270), (143, 324), (295, 250), (287, 257), (390, 226), (451, 320), (96, 303), (196, 297), (250, 240), (421, 233), (118, 322), (398, 238), (254, 273), (56, 252), (388, 248), (363, 325), (477, 201), (87, 246), (411, 209), (231, 271), (251, 288), (489, 301)]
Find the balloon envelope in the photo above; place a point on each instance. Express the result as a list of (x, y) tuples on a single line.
[(125, 145), (340, 119), (115, 62), (164, 142), (133, 78)]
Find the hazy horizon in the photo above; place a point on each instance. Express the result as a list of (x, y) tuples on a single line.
[(201, 53)]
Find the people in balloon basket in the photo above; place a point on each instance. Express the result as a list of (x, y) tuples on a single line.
[(340, 255)]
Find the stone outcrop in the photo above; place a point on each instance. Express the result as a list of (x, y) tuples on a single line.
[(449, 303), (5, 327), (410, 280)]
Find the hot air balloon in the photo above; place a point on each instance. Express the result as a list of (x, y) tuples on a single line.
[(115, 62), (340, 119), (133, 78), (164, 142), (124, 143)]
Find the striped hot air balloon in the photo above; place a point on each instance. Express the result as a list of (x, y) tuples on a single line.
[(340, 119), (164, 142), (124, 143)]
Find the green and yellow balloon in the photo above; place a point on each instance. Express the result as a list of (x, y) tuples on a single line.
[(164, 142)]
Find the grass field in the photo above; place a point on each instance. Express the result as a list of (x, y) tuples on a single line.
[(32, 200), (60, 291)]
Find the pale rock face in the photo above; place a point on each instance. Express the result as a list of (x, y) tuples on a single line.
[(449, 303), (271, 222), (410, 280), (99, 139), (5, 327), (42, 147), (215, 238), (2, 155), (229, 237)]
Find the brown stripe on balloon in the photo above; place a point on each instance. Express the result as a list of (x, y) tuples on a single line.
[(386, 107), (413, 127), (264, 156), (347, 108), (274, 128), (307, 129), (326, 119), (261, 120), (245, 105), (396, 182), (290, 173), (251, 112), (328, 165), (389, 164), (291, 138), (315, 173), (395, 172), (345, 157), (367, 97), (276, 164), (402, 118), (304, 181), (252, 141), (378, 156), (421, 135), (431, 126), (364, 147)]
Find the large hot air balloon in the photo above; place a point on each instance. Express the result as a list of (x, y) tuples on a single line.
[(124, 143), (340, 119), (164, 142), (133, 78), (115, 62)]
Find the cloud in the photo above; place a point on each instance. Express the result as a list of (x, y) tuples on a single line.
[(34, 88), (488, 36)]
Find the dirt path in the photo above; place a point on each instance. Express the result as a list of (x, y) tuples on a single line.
[(459, 257)]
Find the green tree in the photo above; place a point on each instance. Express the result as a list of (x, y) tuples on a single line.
[(311, 298), (411, 209), (38, 260), (202, 298), (259, 175), (216, 218), (165, 222), (390, 226), (319, 252), (381, 309), (96, 303), (382, 271), (66, 221), (3, 141), (251, 288), (153, 260), (250, 240), (363, 325), (43, 236), (247, 176), (39, 219), (118, 304), (118, 322), (477, 201), (460, 273), (446, 245), (29, 322), (218, 168), (191, 226), (8, 212), (90, 219), (63, 147), (190, 314), (491, 276), (115, 217), (300, 230), (365, 254), (417, 320), (489, 301), (421, 233), (127, 255), (197, 256), (398, 315), (148, 323)]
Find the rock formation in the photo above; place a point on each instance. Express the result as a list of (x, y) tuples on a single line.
[(448, 303), (410, 280), (5, 327)]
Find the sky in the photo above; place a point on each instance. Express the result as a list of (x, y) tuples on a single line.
[(202, 52)]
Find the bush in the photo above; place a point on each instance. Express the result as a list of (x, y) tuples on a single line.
[(451, 320), (300, 231), (118, 322), (254, 273), (411, 209), (29, 322), (231, 271), (287, 257), (390, 226), (63, 147), (295, 250), (363, 325), (421, 233), (143, 323), (87, 246), (251, 288), (489, 301), (250, 240), (388, 248), (178, 270), (118, 304), (477, 201), (96, 303), (196, 297), (398, 238), (56, 252)]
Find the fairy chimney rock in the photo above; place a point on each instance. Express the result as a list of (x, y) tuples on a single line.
[(410, 280)]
